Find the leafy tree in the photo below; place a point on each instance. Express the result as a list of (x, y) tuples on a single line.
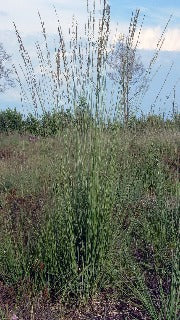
[(6, 79), (126, 67)]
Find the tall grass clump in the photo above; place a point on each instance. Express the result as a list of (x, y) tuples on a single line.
[(74, 238), (77, 237), (94, 203), (79, 67)]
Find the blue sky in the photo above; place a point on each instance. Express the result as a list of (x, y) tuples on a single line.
[(155, 11), (24, 13)]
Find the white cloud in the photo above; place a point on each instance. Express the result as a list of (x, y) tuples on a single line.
[(150, 37), (24, 14)]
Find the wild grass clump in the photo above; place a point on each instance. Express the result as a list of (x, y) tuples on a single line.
[(88, 201), (76, 239), (100, 214), (72, 240)]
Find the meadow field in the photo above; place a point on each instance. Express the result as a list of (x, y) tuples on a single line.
[(89, 223), (89, 186)]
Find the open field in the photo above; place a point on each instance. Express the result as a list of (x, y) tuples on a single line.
[(89, 184), (89, 224)]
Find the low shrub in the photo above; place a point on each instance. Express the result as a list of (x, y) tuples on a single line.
[(11, 120)]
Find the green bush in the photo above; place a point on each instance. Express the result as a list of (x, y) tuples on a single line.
[(32, 124), (83, 115), (54, 121), (11, 120)]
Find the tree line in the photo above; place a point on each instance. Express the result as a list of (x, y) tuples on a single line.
[(52, 122)]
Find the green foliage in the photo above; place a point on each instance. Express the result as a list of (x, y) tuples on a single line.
[(83, 115), (32, 124), (52, 122), (11, 120)]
